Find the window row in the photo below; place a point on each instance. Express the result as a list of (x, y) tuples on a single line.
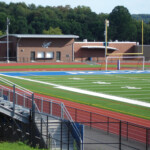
[(45, 55)]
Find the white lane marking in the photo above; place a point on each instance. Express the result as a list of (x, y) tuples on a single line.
[(99, 82), (76, 78), (131, 88), (111, 97)]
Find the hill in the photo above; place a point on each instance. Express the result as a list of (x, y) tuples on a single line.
[(144, 17)]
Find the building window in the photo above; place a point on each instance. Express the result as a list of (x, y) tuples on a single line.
[(40, 55), (50, 55)]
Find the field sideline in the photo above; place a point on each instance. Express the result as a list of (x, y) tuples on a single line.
[(131, 86)]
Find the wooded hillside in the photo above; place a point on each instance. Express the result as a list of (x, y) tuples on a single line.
[(32, 19)]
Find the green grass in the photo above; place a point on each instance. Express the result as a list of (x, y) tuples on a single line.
[(16, 146), (116, 87), (48, 66)]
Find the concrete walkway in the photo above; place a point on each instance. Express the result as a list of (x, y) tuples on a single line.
[(98, 136)]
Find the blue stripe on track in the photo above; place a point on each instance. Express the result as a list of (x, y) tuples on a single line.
[(46, 73)]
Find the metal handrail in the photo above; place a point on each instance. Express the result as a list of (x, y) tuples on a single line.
[(72, 123), (45, 123), (65, 111)]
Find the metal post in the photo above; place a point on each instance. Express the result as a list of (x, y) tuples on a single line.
[(68, 134), (147, 142), (105, 63), (106, 25), (105, 37), (75, 114), (127, 131), (42, 105), (2, 92), (62, 111), (24, 100), (9, 95), (8, 22), (14, 97), (120, 136), (143, 62), (51, 107), (90, 119), (47, 133), (41, 128), (33, 107), (61, 136), (107, 125)]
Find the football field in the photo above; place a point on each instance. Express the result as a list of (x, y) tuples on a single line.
[(127, 93)]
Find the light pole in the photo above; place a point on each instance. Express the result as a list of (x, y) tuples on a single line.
[(7, 32), (106, 25)]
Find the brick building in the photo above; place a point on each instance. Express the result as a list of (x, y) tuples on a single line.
[(28, 47), (52, 48), (96, 50)]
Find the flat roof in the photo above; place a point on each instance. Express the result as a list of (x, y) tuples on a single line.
[(41, 36), (99, 47)]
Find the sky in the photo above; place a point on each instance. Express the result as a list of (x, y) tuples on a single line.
[(98, 6)]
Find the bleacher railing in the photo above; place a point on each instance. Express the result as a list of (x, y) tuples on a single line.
[(42, 105)]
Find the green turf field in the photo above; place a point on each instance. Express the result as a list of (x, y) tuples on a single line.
[(132, 86), (49, 66)]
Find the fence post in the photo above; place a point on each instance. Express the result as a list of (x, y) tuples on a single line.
[(146, 139), (51, 107), (61, 136), (33, 107), (68, 134), (75, 114), (107, 125), (2, 92), (9, 95), (47, 133), (42, 105), (90, 119), (127, 131), (14, 101), (120, 136), (62, 111), (24, 100)]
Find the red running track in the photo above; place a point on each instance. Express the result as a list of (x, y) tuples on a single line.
[(115, 115), (131, 127)]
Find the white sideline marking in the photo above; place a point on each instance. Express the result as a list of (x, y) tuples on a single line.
[(111, 97), (99, 82), (131, 88), (76, 78)]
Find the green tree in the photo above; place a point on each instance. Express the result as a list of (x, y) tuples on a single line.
[(3, 18), (1, 33), (120, 24), (52, 30)]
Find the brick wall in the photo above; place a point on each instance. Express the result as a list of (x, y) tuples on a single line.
[(99, 53)]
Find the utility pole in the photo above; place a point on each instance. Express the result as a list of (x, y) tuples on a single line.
[(7, 32), (106, 25)]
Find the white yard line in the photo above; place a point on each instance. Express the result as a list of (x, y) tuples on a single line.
[(111, 97)]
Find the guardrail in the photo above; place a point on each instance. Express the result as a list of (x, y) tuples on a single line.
[(25, 98), (126, 130)]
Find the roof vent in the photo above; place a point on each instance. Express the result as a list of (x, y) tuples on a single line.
[(85, 40)]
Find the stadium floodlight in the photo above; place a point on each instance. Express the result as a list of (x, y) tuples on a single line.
[(7, 32)]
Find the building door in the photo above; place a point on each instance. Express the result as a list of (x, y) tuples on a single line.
[(58, 56), (32, 56)]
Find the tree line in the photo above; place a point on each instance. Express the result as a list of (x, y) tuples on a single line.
[(32, 19)]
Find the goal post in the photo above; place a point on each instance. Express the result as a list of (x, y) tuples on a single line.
[(124, 63)]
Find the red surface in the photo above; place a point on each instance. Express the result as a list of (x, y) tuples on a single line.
[(41, 63), (123, 117), (51, 69), (134, 129)]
